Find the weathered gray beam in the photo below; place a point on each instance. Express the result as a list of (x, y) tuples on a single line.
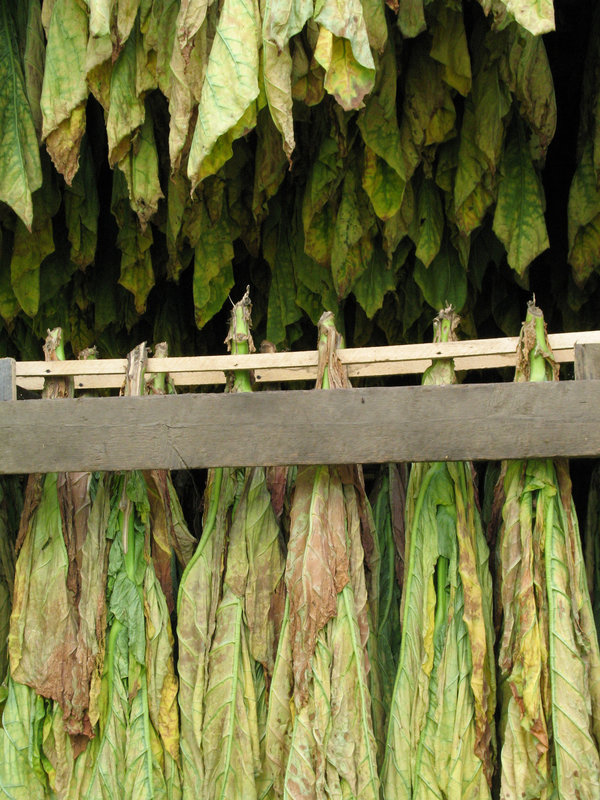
[(419, 423), (8, 382), (587, 361)]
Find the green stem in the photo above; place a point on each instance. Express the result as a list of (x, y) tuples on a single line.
[(537, 360), (159, 382), (126, 525), (160, 378), (240, 346), (441, 607), (548, 558)]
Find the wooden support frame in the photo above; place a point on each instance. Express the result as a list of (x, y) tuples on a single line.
[(361, 362), (416, 423), (8, 379), (366, 425)]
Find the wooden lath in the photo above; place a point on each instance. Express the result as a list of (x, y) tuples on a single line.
[(362, 362), (374, 424)]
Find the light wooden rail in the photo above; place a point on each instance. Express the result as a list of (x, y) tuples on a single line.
[(362, 362)]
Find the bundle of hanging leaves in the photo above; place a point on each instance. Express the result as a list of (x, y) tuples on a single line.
[(91, 707), (548, 658), (230, 609), (325, 696), (441, 737), (387, 151)]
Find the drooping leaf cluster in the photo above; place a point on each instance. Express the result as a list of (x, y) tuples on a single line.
[(91, 696), (548, 657), (366, 158), (441, 733)]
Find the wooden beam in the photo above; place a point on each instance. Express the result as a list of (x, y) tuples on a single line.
[(418, 423), (587, 361), (8, 383), (362, 362)]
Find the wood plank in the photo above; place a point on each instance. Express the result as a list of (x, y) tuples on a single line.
[(306, 358), (376, 424), (8, 383), (300, 366), (587, 361)]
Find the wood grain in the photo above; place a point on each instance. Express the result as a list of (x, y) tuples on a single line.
[(8, 384), (419, 423), (361, 362), (587, 361)]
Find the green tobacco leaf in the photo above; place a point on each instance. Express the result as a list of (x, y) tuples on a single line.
[(473, 193), (411, 17), (230, 88), (255, 566), (584, 218), (199, 596), (318, 215), (33, 50), (100, 16), (308, 76), (450, 48), (429, 113), (7, 573), (315, 291), (140, 167), (374, 11), (213, 271), (445, 280), (31, 248), (348, 232), (21, 172), (343, 51), (192, 14), (271, 164), (82, 208), (126, 13), (125, 107), (492, 103), (396, 228), (177, 202), (536, 17), (137, 273), (429, 223), (370, 287), (230, 733), (277, 75), (440, 737), (281, 21), (354, 756), (345, 77), (282, 308), (64, 90), (21, 773), (550, 657), (519, 217), (527, 72), (385, 171), (383, 185), (279, 714), (574, 715), (9, 305), (346, 21)]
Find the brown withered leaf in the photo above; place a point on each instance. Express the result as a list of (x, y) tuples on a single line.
[(317, 563)]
